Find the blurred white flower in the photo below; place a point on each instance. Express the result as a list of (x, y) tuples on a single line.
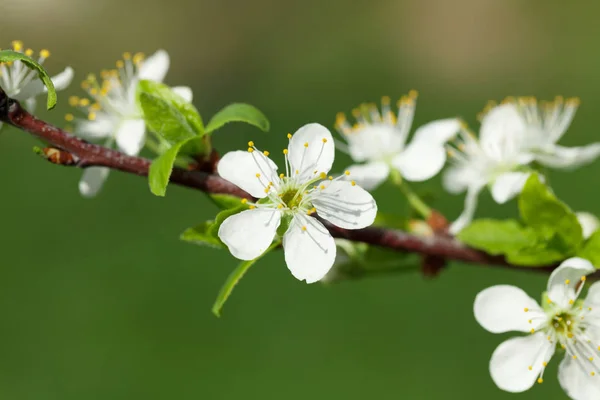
[(23, 84), (589, 223), (378, 142), (565, 322), (292, 197), (112, 111), (498, 158)]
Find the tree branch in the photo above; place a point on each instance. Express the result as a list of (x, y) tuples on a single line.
[(69, 150)]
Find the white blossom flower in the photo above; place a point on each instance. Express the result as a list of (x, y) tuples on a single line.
[(589, 223), (112, 111), (563, 324), (546, 124), (290, 199), (378, 142), (498, 158), (22, 83)]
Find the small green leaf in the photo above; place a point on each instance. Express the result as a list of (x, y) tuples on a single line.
[(234, 278), (548, 216), (591, 249), (497, 236), (161, 168), (200, 235), (239, 112), (12, 56), (168, 114), (225, 201), (535, 257)]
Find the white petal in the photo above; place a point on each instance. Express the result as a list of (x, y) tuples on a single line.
[(374, 141), (467, 215), (130, 136), (420, 161), (345, 205), (502, 133), (437, 132), (92, 180), (593, 294), (62, 80), (565, 278), (576, 382), (457, 179), (318, 156), (249, 233), (502, 308), (569, 157), (370, 175), (30, 104), (241, 168), (98, 129), (508, 185), (310, 253), (589, 223), (155, 67), (511, 360), (34, 88), (184, 92)]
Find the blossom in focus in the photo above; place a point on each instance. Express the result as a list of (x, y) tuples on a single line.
[(288, 200), (377, 142), (111, 111), (565, 325)]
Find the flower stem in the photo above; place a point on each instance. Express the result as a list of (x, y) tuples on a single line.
[(413, 199)]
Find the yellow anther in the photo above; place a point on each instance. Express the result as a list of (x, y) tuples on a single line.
[(297, 172), (95, 106), (567, 281), (73, 101), (570, 335), (289, 135), (545, 364), (126, 55), (281, 176), (413, 94), (279, 206), (549, 338), (84, 102), (385, 100), (322, 187), (530, 368), (92, 116), (285, 151), (324, 140), (251, 144), (93, 91), (44, 53), (340, 118), (330, 178), (120, 64), (346, 172), (304, 228), (85, 85), (17, 45), (353, 183), (138, 58), (258, 175), (29, 52), (549, 301), (530, 321), (532, 330), (571, 301), (69, 117), (589, 308), (526, 309), (306, 144), (323, 175), (591, 358), (250, 149), (583, 278), (252, 207), (592, 373), (266, 153), (574, 357), (244, 201), (540, 381), (267, 189)]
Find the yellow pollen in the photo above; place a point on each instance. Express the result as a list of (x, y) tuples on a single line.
[(323, 175), (324, 140), (530, 368), (570, 335), (530, 321), (84, 102), (258, 175), (267, 189), (592, 373), (532, 330), (549, 338), (331, 178), (92, 116), (304, 228), (44, 53), (73, 101), (126, 55), (279, 206), (282, 176), (545, 364), (244, 201), (285, 151), (251, 144), (346, 172), (549, 301), (589, 308), (526, 309), (297, 172), (17, 45), (353, 183), (252, 207), (563, 346), (266, 153), (322, 187), (413, 94), (306, 144), (93, 91), (289, 135), (69, 117), (567, 282), (571, 301), (583, 278), (540, 380), (591, 358), (28, 52), (385, 100), (574, 357), (250, 149)]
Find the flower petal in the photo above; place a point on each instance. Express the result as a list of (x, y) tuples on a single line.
[(317, 156), (577, 383), (130, 136), (92, 180), (593, 294), (589, 223), (470, 205), (564, 280), (241, 169), (370, 175), (420, 161), (511, 361), (100, 128), (457, 179), (249, 233), (569, 157), (437, 132), (508, 185), (345, 205), (30, 104), (502, 134), (185, 92), (309, 252), (155, 67), (63, 80), (502, 308)]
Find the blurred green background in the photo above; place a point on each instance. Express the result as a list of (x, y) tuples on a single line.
[(100, 300)]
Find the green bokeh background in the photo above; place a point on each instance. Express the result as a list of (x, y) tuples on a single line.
[(100, 300)]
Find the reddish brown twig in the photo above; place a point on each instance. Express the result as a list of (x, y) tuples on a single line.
[(64, 146)]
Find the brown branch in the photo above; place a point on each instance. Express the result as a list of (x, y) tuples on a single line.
[(79, 153)]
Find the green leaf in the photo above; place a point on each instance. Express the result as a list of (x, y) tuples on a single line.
[(390, 221), (12, 56), (535, 257), (161, 168), (234, 278), (168, 114), (200, 235), (497, 236), (239, 112), (222, 216), (591, 249), (548, 216), (225, 201)]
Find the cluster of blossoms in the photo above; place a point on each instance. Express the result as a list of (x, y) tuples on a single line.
[(513, 138)]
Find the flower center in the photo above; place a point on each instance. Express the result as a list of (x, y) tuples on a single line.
[(291, 198)]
